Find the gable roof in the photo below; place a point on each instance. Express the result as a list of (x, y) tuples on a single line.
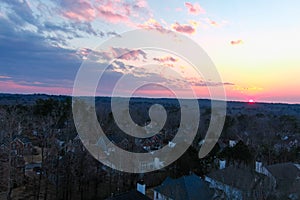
[(23, 139), (284, 171), (187, 187), (287, 176), (240, 178), (131, 195)]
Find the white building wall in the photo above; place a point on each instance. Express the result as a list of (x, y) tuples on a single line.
[(222, 164), (258, 167), (141, 188), (232, 143), (158, 196), (231, 193)]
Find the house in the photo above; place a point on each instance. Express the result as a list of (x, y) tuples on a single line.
[(232, 143), (21, 145), (222, 164), (287, 178), (240, 183), (32, 168), (187, 187), (287, 143)]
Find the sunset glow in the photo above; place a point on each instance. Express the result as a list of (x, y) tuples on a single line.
[(254, 45), (251, 101)]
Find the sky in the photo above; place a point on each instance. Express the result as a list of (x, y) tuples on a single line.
[(253, 44)]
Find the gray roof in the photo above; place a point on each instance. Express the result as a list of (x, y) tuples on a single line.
[(284, 171), (287, 176), (240, 178), (187, 187), (23, 139)]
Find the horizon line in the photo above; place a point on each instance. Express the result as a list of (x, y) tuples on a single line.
[(145, 97)]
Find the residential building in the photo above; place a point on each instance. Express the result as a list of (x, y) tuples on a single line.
[(240, 183), (187, 187)]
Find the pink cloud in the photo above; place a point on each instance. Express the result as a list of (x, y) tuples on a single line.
[(215, 23), (110, 11), (237, 42), (194, 9), (80, 10), (5, 77), (112, 53), (123, 54), (110, 16), (212, 22), (83, 53), (157, 92), (166, 59), (127, 54), (17, 87), (152, 24), (113, 12), (183, 28), (141, 3)]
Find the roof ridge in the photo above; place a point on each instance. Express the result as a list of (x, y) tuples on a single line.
[(187, 188)]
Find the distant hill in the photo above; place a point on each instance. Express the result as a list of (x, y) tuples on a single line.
[(233, 108)]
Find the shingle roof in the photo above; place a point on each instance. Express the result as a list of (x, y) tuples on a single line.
[(187, 187), (23, 139), (240, 178), (281, 171), (287, 176)]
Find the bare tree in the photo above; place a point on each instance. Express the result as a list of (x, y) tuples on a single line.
[(11, 118)]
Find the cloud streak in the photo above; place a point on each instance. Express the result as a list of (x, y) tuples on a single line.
[(166, 59), (237, 42), (5, 77), (20, 87), (183, 28), (152, 24), (113, 53), (107, 10), (194, 9)]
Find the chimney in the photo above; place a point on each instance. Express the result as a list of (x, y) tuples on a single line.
[(258, 167), (141, 187), (232, 143), (222, 164)]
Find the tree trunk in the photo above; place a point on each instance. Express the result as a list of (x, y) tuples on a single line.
[(46, 190), (9, 182)]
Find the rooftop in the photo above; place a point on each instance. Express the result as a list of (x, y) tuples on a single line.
[(187, 187), (241, 178)]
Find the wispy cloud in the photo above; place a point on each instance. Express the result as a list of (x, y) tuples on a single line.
[(112, 53), (152, 24), (212, 22), (5, 77), (80, 10), (109, 11), (237, 42), (247, 89), (34, 87), (194, 81), (194, 9), (113, 33), (166, 59), (183, 28)]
